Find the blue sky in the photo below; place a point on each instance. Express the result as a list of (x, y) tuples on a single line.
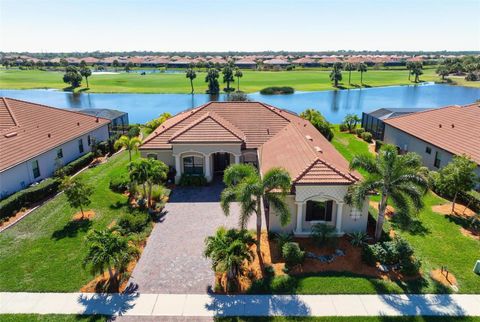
[(64, 25)]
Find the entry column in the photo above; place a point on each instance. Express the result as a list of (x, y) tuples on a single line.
[(208, 171), (178, 168)]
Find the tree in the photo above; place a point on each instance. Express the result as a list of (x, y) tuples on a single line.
[(409, 66), (153, 124), (156, 174), (129, 66), (349, 67), (395, 177), (6, 63), (190, 73), (417, 70), (78, 193), (442, 71), (319, 122), (82, 64), (456, 178), (115, 64), (238, 75), (351, 121), (72, 77), (362, 68), (245, 185), (63, 62), (86, 72), (128, 143), (336, 74), (229, 251), (212, 80), (228, 77), (107, 250)]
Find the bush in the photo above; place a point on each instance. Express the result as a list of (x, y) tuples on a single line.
[(282, 239), (133, 223), (378, 145), (274, 90), (75, 165), (323, 234), (359, 238), (24, 198), (158, 192), (119, 184), (343, 127), (367, 137), (359, 132), (368, 255), (410, 267), (292, 254), (192, 180), (134, 131), (283, 284), (397, 251)]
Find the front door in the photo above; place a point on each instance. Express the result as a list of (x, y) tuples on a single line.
[(221, 161)]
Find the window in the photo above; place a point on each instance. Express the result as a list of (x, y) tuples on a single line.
[(437, 161), (319, 210), (89, 140), (193, 165), (35, 169), (59, 153), (80, 145), (152, 156), (428, 150)]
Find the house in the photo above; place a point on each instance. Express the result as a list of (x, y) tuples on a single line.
[(438, 134), (276, 63), (118, 119), (206, 140), (36, 139), (246, 64), (373, 121)]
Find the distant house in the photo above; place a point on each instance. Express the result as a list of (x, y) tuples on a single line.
[(306, 62), (118, 119), (373, 122), (438, 134), (276, 63), (246, 64), (36, 139)]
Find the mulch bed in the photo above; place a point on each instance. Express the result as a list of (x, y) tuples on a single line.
[(461, 213), (87, 215), (441, 277)]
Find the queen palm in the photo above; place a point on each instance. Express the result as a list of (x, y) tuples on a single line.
[(156, 174), (362, 68), (245, 185), (349, 67), (395, 177), (130, 144), (238, 75), (109, 251), (229, 250), (190, 73)]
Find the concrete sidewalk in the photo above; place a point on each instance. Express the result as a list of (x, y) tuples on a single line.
[(205, 305)]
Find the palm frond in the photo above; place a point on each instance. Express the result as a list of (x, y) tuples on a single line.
[(366, 162), (277, 201), (235, 173), (228, 196), (277, 179)]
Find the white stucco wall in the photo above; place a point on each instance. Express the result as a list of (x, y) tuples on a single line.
[(21, 175), (165, 156)]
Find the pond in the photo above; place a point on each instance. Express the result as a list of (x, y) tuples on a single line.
[(334, 105)]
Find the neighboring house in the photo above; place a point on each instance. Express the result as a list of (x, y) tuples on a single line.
[(373, 121), (207, 139), (438, 134), (36, 139), (118, 119)]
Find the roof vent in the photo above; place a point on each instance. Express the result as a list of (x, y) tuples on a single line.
[(268, 131), (78, 123), (97, 120), (11, 134), (318, 149), (453, 126), (440, 125), (308, 137)]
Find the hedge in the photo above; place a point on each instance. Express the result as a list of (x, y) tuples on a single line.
[(28, 196), (192, 180), (277, 90), (75, 165)]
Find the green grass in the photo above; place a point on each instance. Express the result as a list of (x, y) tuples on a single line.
[(44, 251), (252, 81), (51, 317), (352, 319)]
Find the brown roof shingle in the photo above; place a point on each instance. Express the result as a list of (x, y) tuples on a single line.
[(35, 129)]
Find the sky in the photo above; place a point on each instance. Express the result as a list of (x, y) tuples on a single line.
[(231, 25)]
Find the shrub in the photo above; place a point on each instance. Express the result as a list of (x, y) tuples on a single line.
[(119, 184), (269, 271), (323, 234), (133, 223), (75, 165), (283, 238), (367, 137), (283, 284), (368, 255), (390, 254), (410, 267), (397, 251), (24, 198), (158, 192), (358, 238), (343, 127), (134, 131), (378, 145), (274, 90), (292, 254), (192, 180), (359, 132)]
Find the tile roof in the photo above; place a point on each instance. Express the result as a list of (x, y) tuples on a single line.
[(455, 129), (33, 129), (283, 139)]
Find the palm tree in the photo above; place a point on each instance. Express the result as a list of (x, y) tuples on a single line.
[(128, 143), (138, 173), (362, 68), (212, 80), (349, 67), (228, 77), (156, 173), (395, 177), (190, 73), (86, 72), (417, 71), (109, 251), (245, 185), (442, 71), (409, 66), (229, 250), (238, 75), (336, 73)]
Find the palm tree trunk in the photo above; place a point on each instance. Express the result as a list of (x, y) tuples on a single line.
[(238, 84), (409, 73), (149, 201), (86, 78), (381, 217), (259, 225), (453, 203), (130, 155), (144, 190), (349, 76), (361, 78), (191, 84)]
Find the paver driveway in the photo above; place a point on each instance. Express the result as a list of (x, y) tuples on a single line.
[(173, 261)]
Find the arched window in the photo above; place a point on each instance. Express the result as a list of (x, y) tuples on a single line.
[(193, 165), (319, 210)]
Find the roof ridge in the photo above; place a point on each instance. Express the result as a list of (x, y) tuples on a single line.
[(338, 171), (304, 171), (9, 110)]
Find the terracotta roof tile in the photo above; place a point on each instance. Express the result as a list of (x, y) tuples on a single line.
[(37, 129), (455, 129)]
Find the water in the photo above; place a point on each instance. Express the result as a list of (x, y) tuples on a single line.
[(334, 105)]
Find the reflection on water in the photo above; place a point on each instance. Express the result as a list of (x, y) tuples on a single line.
[(334, 105)]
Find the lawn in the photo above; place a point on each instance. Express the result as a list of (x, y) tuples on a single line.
[(252, 81), (44, 251), (51, 318)]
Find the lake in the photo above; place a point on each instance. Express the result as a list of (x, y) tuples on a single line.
[(334, 105)]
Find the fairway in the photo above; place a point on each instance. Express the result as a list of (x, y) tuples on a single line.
[(252, 81)]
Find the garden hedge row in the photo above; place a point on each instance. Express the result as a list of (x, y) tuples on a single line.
[(24, 198), (75, 165), (277, 90)]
